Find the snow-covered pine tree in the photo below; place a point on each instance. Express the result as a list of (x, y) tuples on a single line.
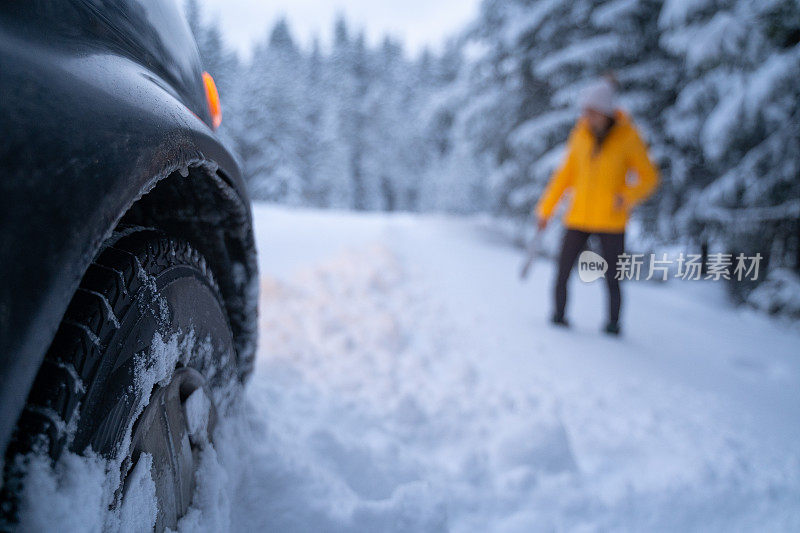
[(396, 152), (455, 177), (736, 122), (324, 172), (273, 131), (347, 84), (383, 132)]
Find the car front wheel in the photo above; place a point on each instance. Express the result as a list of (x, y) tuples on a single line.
[(142, 362)]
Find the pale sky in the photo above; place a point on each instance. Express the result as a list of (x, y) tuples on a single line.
[(417, 22)]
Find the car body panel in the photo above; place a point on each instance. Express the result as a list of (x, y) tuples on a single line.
[(91, 118)]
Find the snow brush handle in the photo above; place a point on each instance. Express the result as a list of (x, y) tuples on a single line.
[(533, 253)]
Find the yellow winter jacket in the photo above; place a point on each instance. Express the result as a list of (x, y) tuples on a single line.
[(595, 179)]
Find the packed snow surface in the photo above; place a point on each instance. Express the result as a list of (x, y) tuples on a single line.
[(408, 381)]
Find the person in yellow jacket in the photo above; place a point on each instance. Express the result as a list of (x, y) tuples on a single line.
[(607, 173)]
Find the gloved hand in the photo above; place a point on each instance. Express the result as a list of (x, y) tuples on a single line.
[(541, 224)]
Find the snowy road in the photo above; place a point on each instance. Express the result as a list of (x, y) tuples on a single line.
[(408, 381)]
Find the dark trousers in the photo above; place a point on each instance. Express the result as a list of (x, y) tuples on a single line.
[(611, 246)]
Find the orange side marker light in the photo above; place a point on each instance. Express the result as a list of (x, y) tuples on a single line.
[(212, 97)]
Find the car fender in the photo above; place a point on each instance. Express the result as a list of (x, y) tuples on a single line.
[(84, 137)]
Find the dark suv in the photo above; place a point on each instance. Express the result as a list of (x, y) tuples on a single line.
[(128, 281)]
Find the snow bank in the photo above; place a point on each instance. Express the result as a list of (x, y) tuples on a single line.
[(779, 294)]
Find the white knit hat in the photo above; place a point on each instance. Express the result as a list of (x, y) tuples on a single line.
[(600, 96)]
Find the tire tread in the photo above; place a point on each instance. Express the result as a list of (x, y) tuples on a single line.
[(113, 283)]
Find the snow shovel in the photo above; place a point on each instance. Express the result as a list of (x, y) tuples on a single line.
[(533, 254)]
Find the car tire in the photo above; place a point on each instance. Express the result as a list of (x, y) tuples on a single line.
[(145, 335)]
